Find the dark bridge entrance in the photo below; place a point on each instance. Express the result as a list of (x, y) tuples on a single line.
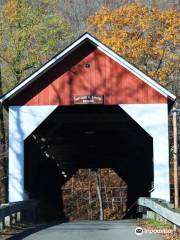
[(86, 137)]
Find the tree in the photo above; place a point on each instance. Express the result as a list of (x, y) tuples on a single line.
[(98, 187), (146, 36), (76, 12), (29, 35)]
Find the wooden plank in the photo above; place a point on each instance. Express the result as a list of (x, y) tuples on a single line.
[(103, 76), (8, 209)]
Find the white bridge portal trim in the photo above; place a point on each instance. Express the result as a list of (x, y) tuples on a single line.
[(153, 118), (23, 120)]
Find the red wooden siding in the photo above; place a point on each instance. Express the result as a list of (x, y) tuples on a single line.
[(71, 78)]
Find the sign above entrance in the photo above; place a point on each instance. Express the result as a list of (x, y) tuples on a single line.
[(90, 99)]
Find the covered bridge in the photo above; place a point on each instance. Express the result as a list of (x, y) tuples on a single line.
[(91, 108)]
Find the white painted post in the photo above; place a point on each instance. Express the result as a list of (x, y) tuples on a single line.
[(7, 221)]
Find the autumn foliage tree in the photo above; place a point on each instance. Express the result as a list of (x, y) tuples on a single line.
[(147, 37), (30, 33), (84, 198)]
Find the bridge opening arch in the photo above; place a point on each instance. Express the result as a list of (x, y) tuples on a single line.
[(86, 137), (95, 194)]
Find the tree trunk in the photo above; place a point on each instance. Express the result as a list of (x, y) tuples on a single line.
[(89, 195), (98, 187), (2, 125), (3, 170), (175, 134)]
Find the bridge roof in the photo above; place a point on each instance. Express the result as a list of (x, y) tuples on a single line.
[(68, 50)]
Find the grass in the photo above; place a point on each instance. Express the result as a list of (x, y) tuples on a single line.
[(12, 230), (157, 224)]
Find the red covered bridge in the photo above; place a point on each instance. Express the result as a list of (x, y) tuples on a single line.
[(93, 109)]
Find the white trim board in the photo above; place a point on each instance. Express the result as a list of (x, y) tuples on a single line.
[(103, 48)]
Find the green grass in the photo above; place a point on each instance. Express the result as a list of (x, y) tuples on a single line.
[(156, 223)]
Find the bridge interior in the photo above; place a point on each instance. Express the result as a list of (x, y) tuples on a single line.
[(86, 137)]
